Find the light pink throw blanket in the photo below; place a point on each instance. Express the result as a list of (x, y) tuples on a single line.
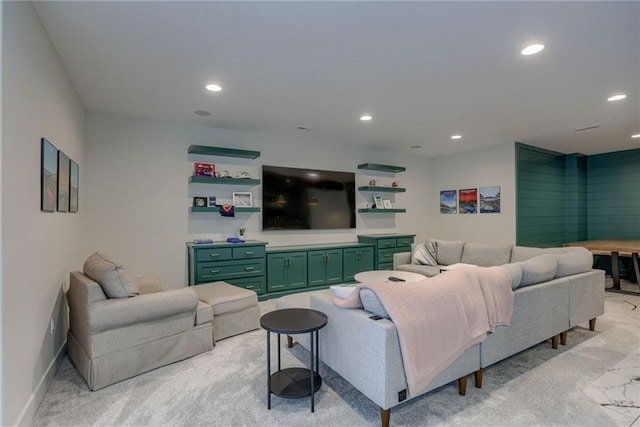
[(438, 318)]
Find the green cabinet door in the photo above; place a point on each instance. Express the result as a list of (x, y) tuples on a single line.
[(276, 271), (297, 270), (316, 268), (334, 267), (357, 260), (286, 270), (325, 267)]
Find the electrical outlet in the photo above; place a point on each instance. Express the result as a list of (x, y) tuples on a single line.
[(53, 325)]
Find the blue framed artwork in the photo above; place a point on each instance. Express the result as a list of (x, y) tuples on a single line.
[(490, 199), (448, 202), (74, 182), (63, 182), (48, 176)]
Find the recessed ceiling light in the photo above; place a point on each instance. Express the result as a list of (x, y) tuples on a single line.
[(617, 97), (635, 135), (416, 146), (213, 88), (202, 113), (456, 136), (366, 118), (532, 49)]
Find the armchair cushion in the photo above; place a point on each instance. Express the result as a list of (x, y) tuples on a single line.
[(115, 314), (115, 280)]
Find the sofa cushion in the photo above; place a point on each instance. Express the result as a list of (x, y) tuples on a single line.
[(541, 268), (515, 271), (448, 251), (574, 262), (425, 270), (424, 254), (523, 253), (115, 280), (486, 255), (372, 304)]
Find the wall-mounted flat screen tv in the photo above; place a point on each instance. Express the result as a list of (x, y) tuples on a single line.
[(300, 199)]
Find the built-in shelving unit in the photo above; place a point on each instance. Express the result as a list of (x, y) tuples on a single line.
[(381, 168), (381, 189), (216, 209), (223, 152), (223, 181)]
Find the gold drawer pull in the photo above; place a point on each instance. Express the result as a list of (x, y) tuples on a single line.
[(214, 271), (214, 255), (387, 243), (248, 253), (249, 287), (387, 255), (248, 268)]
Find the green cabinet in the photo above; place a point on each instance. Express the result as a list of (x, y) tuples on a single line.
[(356, 260), (286, 271), (241, 264), (325, 267), (385, 246)]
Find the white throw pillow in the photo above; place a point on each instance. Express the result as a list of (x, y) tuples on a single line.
[(425, 254)]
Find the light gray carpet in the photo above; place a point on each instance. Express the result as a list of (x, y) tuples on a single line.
[(227, 387)]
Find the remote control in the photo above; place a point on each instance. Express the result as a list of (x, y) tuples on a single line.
[(396, 279)]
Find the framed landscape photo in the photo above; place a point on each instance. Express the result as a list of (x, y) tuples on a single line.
[(448, 202), (74, 181), (468, 201), (63, 182), (48, 176), (490, 199), (242, 200)]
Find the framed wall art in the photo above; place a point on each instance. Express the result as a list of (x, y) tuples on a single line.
[(48, 176), (74, 181), (63, 182), (448, 202), (468, 201), (242, 200), (490, 199)]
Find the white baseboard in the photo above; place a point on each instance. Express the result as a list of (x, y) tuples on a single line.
[(29, 411)]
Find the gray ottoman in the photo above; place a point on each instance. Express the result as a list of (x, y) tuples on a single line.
[(235, 309)]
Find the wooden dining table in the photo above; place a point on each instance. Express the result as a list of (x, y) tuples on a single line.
[(615, 248)]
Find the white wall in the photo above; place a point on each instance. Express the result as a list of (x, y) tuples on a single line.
[(38, 100), (137, 171), (474, 169)]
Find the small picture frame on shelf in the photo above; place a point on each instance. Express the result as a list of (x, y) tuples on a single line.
[(212, 202), (378, 202), (387, 204), (204, 169), (200, 202), (242, 200)]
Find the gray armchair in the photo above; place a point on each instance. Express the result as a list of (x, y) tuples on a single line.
[(112, 339)]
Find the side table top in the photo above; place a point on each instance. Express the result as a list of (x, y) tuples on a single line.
[(293, 320)]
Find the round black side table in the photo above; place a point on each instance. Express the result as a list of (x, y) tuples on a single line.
[(294, 383)]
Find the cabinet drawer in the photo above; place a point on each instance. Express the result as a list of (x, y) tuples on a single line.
[(213, 254), (211, 271), (385, 266), (256, 284), (247, 252), (386, 255), (387, 243), (404, 242)]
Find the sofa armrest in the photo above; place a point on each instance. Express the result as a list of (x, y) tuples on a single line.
[(401, 258), (121, 312)]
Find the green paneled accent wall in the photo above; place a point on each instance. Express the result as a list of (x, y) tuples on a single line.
[(576, 197), (541, 193), (614, 195)]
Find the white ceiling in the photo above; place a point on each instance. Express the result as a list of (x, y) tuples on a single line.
[(424, 70)]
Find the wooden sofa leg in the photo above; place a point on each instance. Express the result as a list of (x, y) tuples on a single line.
[(554, 342), (592, 324), (563, 338), (462, 385), (385, 415), (289, 341), (478, 377)]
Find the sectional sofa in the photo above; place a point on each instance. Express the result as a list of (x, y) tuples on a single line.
[(555, 289)]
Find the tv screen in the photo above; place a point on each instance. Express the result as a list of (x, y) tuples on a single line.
[(298, 199)]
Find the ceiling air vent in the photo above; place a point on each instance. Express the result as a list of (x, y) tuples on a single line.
[(587, 128)]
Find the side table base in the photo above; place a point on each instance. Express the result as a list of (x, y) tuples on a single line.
[(293, 383)]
